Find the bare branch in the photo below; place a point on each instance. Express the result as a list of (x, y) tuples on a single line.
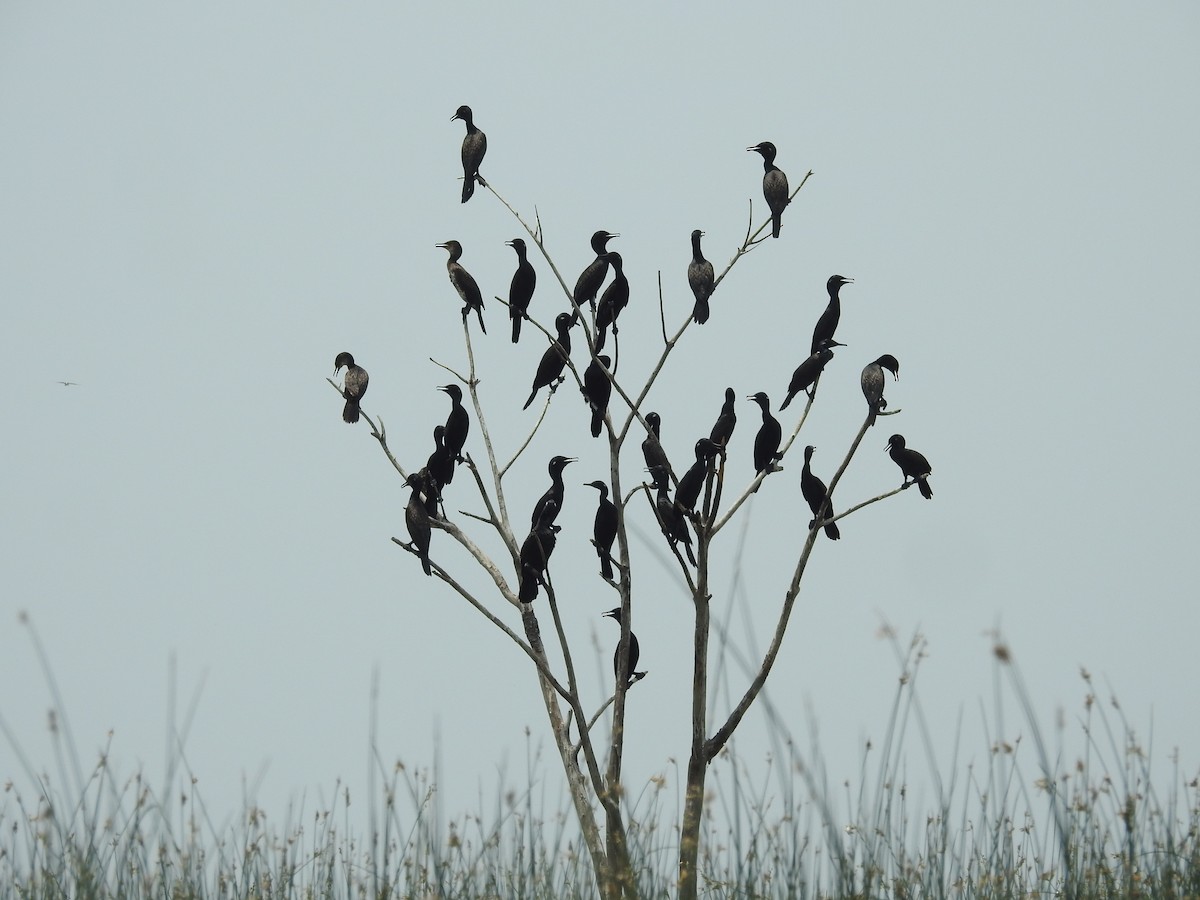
[(377, 432)]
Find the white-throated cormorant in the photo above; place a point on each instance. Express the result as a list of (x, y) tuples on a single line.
[(912, 464), (722, 429), (690, 485), (806, 375), (670, 519), (535, 553), (467, 289), (614, 299), (701, 278), (416, 518), (775, 185), (815, 493), (555, 493), (629, 653), (457, 423), (474, 145), (652, 448), (355, 386)]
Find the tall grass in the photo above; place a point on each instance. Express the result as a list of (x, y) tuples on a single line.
[(1014, 823)]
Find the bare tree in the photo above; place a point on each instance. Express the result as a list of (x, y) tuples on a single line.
[(593, 769)]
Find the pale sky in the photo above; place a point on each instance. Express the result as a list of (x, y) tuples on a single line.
[(201, 206)]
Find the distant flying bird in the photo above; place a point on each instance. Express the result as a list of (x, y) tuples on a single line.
[(68, 383)]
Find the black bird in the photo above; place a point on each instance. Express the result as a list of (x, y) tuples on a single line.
[(457, 423), (770, 433), (474, 145), (701, 277), (555, 493), (688, 492), (441, 461), (873, 382), (828, 323), (463, 283), (597, 390), (416, 517), (535, 553), (815, 492), (671, 520), (604, 529), (806, 375), (356, 385), (722, 429), (652, 448), (587, 286), (554, 360), (614, 299), (520, 291), (629, 653), (912, 464), (775, 184)]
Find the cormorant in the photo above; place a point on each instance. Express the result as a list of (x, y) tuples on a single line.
[(535, 553), (701, 277), (441, 461), (356, 385), (652, 448), (630, 653), (670, 519), (474, 145), (587, 286), (815, 492), (416, 517), (828, 323), (770, 433), (520, 291), (554, 360), (775, 185), (596, 390), (555, 493), (604, 529), (912, 464), (464, 283), (614, 299), (688, 492), (873, 382), (722, 429), (806, 375), (457, 423)]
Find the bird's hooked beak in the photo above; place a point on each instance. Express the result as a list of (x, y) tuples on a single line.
[(455, 116), (753, 149), (443, 246)]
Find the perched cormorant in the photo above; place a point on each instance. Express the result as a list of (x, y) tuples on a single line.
[(652, 448), (828, 323), (701, 277), (671, 520), (441, 462), (474, 145), (614, 299), (520, 291), (806, 375), (604, 529), (815, 492), (630, 652), (775, 184), (770, 433), (457, 423), (555, 493), (722, 429), (554, 360), (535, 553), (873, 382), (596, 390), (688, 492), (356, 385), (587, 286), (416, 517), (467, 289), (912, 464)]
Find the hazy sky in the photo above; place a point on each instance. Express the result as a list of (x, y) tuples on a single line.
[(200, 206)]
